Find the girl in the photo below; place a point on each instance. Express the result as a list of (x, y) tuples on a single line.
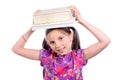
[(62, 57)]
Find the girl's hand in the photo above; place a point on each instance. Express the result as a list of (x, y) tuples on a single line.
[(37, 11), (76, 13)]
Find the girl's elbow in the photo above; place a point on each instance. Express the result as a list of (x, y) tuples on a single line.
[(14, 49), (107, 42)]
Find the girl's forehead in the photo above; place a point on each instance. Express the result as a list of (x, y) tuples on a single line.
[(55, 33)]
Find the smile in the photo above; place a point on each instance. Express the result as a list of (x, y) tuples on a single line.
[(61, 50)]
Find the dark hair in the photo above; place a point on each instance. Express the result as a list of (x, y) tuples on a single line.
[(75, 42)]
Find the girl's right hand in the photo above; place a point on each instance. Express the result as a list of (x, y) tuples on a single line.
[(37, 11)]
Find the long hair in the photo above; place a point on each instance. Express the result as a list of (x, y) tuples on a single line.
[(75, 42)]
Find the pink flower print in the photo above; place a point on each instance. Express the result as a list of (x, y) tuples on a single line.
[(51, 65), (47, 78), (70, 65), (60, 70), (77, 63), (71, 72), (45, 60)]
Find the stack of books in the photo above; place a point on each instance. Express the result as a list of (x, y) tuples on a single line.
[(53, 18)]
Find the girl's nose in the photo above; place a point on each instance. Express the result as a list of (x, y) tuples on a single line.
[(57, 45)]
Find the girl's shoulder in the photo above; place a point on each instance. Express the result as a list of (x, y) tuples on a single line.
[(79, 55), (78, 52), (45, 56), (45, 53)]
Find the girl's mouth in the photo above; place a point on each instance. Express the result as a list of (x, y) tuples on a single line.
[(61, 50)]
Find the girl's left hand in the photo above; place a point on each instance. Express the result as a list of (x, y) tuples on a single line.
[(76, 13)]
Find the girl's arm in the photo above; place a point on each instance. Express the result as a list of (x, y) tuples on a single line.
[(103, 39), (19, 49)]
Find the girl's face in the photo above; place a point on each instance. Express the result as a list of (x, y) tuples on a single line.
[(60, 41)]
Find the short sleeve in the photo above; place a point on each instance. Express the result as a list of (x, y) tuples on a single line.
[(44, 56), (80, 54)]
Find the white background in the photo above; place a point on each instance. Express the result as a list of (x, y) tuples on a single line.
[(16, 18)]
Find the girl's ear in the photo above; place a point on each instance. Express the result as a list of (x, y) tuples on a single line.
[(71, 34)]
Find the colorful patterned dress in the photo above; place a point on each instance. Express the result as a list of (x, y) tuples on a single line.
[(67, 67)]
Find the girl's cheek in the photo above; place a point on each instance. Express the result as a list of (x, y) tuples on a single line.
[(52, 47), (66, 41)]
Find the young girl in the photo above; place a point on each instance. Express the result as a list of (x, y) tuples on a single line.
[(62, 57)]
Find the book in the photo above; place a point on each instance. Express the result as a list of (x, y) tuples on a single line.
[(53, 18)]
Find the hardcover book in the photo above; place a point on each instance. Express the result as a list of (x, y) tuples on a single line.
[(53, 18)]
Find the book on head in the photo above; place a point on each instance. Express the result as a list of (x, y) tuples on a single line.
[(53, 18)]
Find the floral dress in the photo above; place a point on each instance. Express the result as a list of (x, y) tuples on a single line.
[(66, 67)]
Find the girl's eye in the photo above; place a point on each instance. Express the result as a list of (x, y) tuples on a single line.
[(52, 42), (60, 38)]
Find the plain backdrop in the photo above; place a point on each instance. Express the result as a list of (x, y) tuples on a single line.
[(16, 19)]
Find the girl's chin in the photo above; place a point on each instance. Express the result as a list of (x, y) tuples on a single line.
[(63, 53)]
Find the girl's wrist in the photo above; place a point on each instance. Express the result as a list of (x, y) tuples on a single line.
[(81, 21), (25, 40), (26, 35)]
